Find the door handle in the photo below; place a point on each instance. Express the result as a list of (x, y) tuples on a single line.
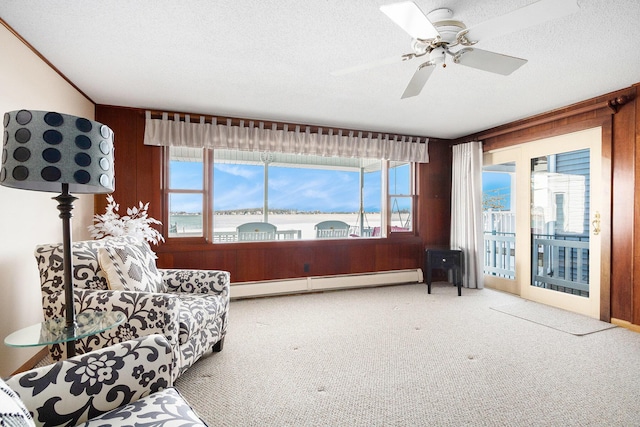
[(596, 224)]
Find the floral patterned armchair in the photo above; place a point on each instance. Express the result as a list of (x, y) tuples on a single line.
[(188, 307), (125, 384)]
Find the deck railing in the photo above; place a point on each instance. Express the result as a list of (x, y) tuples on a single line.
[(560, 263), (499, 254), (232, 236), (499, 243)]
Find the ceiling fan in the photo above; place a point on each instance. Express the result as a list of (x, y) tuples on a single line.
[(436, 34)]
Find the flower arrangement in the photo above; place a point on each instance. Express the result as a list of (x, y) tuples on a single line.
[(136, 223)]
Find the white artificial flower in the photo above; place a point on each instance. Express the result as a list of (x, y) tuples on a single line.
[(136, 223)]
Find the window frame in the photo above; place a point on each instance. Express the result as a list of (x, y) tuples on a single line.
[(208, 201), (411, 196), (167, 191)]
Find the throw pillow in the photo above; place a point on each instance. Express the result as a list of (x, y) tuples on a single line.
[(130, 267), (12, 411)]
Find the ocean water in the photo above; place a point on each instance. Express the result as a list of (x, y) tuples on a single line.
[(186, 223)]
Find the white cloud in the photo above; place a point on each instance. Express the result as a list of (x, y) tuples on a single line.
[(237, 170), (241, 196)]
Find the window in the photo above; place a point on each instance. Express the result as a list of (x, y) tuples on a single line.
[(186, 192), (278, 196), (401, 196)]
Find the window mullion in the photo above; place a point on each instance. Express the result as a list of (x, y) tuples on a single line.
[(207, 194), (385, 216)]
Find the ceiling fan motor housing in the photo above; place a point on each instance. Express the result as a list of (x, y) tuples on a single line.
[(447, 27)]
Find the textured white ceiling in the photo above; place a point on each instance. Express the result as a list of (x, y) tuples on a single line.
[(271, 60)]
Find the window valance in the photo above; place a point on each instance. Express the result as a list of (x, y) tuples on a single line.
[(256, 137)]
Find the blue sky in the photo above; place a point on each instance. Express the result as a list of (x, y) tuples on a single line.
[(498, 183), (239, 186)]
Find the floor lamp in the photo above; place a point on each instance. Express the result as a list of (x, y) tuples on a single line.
[(53, 152)]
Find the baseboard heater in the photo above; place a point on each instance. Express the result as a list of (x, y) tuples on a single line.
[(319, 283)]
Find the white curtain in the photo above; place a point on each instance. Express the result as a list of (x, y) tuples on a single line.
[(466, 210), (255, 137)]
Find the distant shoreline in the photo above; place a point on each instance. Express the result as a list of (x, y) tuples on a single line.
[(184, 224), (278, 212)]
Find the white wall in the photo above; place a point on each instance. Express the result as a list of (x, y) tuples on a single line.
[(28, 218)]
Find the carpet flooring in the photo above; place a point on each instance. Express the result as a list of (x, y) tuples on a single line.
[(397, 356)]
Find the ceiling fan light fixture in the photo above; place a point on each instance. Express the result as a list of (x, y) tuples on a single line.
[(437, 55)]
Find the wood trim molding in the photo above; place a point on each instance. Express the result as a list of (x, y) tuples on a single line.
[(613, 104), (510, 140), (625, 324), (33, 361), (606, 227), (45, 60)]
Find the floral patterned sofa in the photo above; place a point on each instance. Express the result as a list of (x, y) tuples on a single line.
[(125, 384), (189, 307)]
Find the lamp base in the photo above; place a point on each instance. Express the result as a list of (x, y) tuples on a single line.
[(70, 331), (65, 206)]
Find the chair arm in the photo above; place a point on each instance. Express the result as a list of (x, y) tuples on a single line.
[(146, 314), (196, 281), (71, 391)]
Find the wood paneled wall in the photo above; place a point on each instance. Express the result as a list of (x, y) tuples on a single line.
[(139, 177), (622, 128)]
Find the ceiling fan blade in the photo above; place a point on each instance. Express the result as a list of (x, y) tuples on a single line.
[(527, 16), (488, 61), (418, 80), (370, 65), (410, 18)]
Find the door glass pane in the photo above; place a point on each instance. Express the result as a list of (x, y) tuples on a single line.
[(560, 222), (499, 218)]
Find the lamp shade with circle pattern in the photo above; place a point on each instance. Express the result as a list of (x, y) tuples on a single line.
[(42, 150)]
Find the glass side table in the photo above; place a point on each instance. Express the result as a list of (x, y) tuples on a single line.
[(54, 331)]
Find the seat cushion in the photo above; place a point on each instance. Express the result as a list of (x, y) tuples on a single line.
[(196, 312), (165, 408)]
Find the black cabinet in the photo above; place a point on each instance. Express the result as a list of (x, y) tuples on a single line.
[(443, 258)]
